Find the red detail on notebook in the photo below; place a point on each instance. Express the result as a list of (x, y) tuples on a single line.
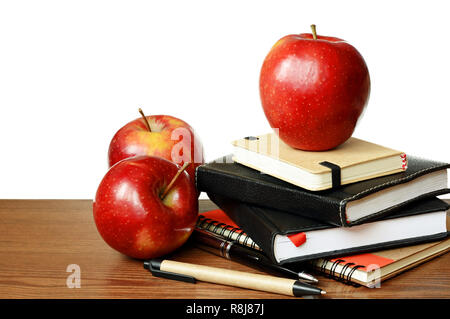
[(297, 239), (365, 260), (221, 217), (404, 161)]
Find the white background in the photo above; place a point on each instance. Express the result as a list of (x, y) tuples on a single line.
[(73, 72)]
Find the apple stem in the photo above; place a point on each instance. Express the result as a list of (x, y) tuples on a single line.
[(145, 120), (314, 33), (174, 179)]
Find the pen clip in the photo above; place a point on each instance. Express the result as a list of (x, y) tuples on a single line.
[(154, 265)]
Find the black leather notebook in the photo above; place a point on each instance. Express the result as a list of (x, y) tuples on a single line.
[(277, 233), (347, 205)]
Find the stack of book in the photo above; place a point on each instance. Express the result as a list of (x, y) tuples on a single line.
[(343, 211)]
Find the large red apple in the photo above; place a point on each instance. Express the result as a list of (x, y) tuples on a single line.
[(132, 214), (313, 89), (158, 135)]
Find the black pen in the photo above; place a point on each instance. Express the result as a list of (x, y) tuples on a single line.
[(212, 243)]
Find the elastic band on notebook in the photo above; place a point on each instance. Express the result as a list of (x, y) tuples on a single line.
[(335, 173)]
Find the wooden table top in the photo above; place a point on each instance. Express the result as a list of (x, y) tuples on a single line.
[(39, 239)]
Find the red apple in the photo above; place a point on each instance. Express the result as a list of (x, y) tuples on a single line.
[(158, 135), (134, 217), (313, 89)]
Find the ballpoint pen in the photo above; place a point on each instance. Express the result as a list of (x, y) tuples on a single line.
[(192, 272), (212, 243)]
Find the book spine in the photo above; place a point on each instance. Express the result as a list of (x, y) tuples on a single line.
[(257, 192)]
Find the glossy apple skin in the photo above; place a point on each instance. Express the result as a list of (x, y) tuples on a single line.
[(131, 217), (134, 139), (314, 91)]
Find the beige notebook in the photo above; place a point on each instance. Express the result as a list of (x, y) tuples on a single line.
[(358, 160), (371, 269)]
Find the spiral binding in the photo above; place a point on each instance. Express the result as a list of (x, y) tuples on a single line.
[(341, 276), (221, 229)]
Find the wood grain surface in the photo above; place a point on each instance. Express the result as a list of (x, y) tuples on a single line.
[(39, 239)]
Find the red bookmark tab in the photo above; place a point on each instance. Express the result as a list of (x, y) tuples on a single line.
[(298, 239)]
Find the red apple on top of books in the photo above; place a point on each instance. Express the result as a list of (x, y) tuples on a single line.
[(158, 135), (313, 89), (146, 207)]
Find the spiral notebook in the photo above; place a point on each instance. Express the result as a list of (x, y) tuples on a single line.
[(218, 222), (367, 269), (370, 269)]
